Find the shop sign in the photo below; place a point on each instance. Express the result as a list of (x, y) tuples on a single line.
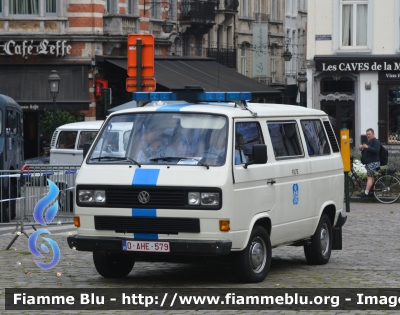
[(327, 65), (33, 107), (260, 49), (323, 37), (28, 48)]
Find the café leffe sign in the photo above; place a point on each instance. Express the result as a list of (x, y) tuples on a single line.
[(31, 47)]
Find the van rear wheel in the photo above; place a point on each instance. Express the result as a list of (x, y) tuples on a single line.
[(319, 250), (252, 264), (112, 265)]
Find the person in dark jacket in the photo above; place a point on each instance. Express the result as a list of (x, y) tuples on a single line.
[(371, 159)]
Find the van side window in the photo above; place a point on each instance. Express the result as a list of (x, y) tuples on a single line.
[(84, 137), (66, 140), (316, 140), (285, 139), (247, 135)]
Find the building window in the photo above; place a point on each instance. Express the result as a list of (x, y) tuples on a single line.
[(288, 5), (109, 6), (354, 15), (273, 63), (344, 85), (245, 8), (274, 9), (243, 60), (51, 6), (294, 8), (24, 7), (131, 7)]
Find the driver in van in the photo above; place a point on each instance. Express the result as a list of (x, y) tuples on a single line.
[(155, 147)]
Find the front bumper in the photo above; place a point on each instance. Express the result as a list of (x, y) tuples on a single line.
[(177, 247)]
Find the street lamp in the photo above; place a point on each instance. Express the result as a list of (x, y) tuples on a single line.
[(167, 25), (54, 81), (302, 84)]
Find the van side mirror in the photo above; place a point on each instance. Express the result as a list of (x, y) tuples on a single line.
[(86, 148), (259, 155)]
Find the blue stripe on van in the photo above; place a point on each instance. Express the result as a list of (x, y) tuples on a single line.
[(145, 177), (172, 108)]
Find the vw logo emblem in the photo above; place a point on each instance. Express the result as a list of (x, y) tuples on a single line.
[(144, 197)]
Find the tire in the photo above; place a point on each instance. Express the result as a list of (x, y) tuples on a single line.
[(319, 250), (65, 199), (112, 265), (387, 189), (252, 264)]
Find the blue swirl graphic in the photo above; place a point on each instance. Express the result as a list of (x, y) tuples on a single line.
[(33, 248), (45, 202)]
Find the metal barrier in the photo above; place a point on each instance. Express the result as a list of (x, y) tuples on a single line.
[(21, 190)]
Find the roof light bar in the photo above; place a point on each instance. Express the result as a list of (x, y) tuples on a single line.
[(200, 97)]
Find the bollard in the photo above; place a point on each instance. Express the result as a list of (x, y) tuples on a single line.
[(345, 150)]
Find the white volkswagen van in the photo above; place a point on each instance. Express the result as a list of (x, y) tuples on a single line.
[(211, 179), (68, 140)]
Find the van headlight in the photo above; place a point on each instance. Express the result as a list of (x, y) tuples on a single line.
[(203, 198), (86, 195)]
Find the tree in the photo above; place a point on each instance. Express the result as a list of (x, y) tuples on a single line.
[(62, 118)]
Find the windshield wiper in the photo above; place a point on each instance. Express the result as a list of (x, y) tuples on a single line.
[(168, 158), (117, 158)]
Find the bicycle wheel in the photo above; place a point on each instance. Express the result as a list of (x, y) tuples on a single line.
[(387, 188)]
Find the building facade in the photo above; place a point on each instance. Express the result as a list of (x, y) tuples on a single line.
[(353, 66), (80, 38), (265, 29)]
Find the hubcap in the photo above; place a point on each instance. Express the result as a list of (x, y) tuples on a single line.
[(258, 255), (324, 239)]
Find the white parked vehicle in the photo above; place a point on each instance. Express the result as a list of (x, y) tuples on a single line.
[(68, 141), (211, 179)]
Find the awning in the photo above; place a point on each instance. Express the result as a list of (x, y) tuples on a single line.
[(175, 74), (28, 85)]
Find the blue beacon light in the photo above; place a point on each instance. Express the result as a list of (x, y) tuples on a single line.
[(201, 97)]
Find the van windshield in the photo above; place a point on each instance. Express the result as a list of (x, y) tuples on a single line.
[(168, 138)]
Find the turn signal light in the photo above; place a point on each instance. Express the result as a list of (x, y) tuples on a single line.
[(77, 221), (224, 225)]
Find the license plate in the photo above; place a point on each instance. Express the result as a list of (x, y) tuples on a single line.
[(146, 246)]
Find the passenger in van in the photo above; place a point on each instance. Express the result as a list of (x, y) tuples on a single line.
[(155, 146), (187, 143), (217, 148), (370, 152)]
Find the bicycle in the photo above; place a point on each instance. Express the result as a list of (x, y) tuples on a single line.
[(386, 187)]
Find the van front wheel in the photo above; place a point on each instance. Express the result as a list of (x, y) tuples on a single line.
[(252, 264), (319, 250), (112, 265)]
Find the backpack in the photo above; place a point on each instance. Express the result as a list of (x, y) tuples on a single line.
[(383, 156)]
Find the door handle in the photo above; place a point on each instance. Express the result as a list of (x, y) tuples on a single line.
[(271, 182)]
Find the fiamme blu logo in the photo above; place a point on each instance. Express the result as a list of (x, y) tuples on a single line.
[(43, 213)]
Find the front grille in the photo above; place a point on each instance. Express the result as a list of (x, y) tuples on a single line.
[(147, 225), (127, 197)]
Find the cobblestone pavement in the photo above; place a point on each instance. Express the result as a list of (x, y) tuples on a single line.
[(370, 259)]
